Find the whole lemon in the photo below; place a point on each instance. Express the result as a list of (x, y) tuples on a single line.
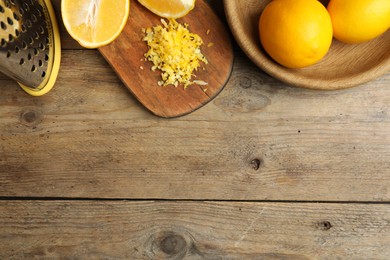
[(295, 33), (356, 21)]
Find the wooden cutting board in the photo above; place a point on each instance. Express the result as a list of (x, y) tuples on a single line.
[(126, 56)]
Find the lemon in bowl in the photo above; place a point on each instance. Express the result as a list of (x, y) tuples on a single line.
[(344, 66), (357, 21), (295, 33)]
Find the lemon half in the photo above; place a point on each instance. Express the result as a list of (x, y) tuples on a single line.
[(95, 23)]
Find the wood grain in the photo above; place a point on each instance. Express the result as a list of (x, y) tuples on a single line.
[(258, 140), (126, 56), (345, 65), (192, 230)]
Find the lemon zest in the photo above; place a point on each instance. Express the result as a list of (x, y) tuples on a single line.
[(175, 51)]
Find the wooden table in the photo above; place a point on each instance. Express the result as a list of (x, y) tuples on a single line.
[(264, 171)]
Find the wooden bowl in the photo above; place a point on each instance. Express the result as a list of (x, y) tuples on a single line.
[(345, 65)]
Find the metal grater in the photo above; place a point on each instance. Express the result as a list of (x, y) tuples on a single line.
[(30, 44)]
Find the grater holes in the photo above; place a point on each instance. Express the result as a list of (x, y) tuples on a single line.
[(43, 74), (46, 57), (21, 11), (29, 23), (33, 68), (39, 13), (41, 46), (40, 63), (11, 38), (17, 33), (34, 18), (24, 45), (23, 27), (8, 54), (12, 2), (16, 17), (36, 51), (26, 7), (17, 49), (30, 40), (29, 56), (36, 35), (3, 43), (41, 30), (9, 21), (40, 10), (21, 62), (2, 9), (3, 25)]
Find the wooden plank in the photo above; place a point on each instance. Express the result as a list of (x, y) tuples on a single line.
[(193, 230), (259, 140)]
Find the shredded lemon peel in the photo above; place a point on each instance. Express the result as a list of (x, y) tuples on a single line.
[(176, 52)]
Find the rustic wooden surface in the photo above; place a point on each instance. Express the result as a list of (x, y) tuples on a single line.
[(193, 230), (137, 76), (264, 171)]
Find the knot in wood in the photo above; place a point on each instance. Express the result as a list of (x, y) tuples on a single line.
[(30, 117), (255, 164), (173, 244), (245, 82), (324, 225)]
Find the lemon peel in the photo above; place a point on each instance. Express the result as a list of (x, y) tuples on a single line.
[(175, 51)]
